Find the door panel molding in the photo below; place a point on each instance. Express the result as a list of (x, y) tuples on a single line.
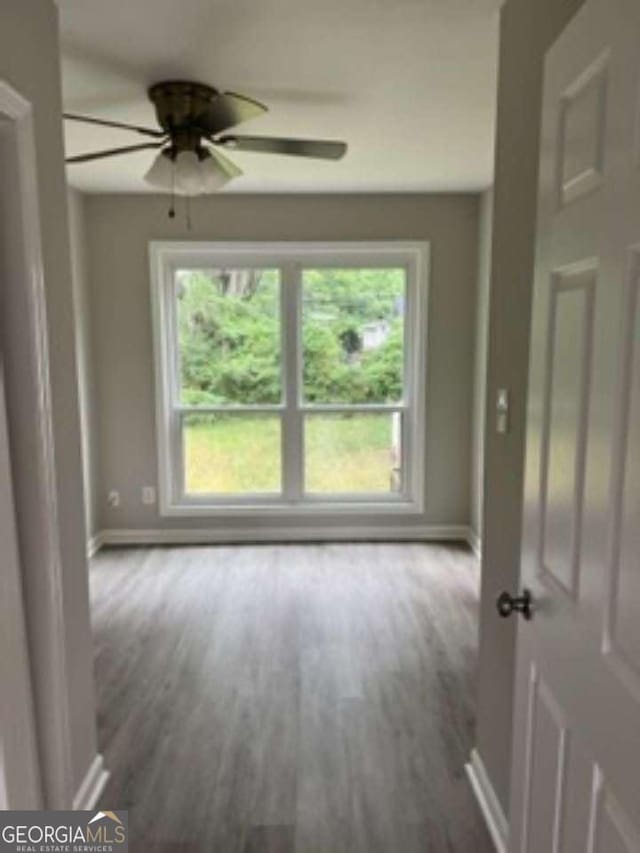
[(623, 558), (589, 90), (541, 701), (567, 284), (610, 830)]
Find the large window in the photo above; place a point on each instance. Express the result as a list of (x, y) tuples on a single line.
[(290, 376)]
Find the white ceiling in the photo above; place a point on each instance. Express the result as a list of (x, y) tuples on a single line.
[(408, 84)]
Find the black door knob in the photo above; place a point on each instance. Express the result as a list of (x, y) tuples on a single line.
[(507, 604)]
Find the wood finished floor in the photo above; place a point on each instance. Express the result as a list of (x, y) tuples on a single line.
[(289, 698)]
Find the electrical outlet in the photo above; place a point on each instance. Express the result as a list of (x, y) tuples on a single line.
[(113, 499), (148, 495)]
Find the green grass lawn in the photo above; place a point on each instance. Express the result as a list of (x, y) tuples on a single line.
[(234, 454)]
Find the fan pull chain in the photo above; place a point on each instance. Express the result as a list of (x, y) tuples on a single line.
[(172, 205), (187, 206)]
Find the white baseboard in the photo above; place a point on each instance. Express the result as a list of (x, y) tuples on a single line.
[(474, 542), (229, 535), (488, 802), (94, 544), (92, 786)]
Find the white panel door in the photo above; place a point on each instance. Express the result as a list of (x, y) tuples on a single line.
[(576, 766), (19, 783)]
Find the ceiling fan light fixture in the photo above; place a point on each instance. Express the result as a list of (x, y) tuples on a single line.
[(160, 175), (213, 175), (188, 173)]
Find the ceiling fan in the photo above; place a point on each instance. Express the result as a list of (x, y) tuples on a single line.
[(194, 122)]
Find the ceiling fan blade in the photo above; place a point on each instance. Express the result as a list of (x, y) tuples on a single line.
[(112, 152), (323, 149), (158, 134), (228, 167), (227, 110)]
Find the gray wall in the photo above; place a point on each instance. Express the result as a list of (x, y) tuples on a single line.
[(88, 421), (29, 61), (119, 229), (485, 235), (528, 27)]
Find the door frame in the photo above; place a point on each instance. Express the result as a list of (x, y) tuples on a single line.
[(30, 424), (20, 780)]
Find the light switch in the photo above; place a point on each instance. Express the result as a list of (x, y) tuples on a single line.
[(502, 410)]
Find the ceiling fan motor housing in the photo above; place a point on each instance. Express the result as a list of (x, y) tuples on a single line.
[(181, 108)]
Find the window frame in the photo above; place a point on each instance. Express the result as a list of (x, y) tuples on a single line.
[(290, 259)]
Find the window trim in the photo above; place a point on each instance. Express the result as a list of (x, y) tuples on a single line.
[(166, 256)]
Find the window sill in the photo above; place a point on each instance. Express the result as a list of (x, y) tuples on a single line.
[(291, 510)]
